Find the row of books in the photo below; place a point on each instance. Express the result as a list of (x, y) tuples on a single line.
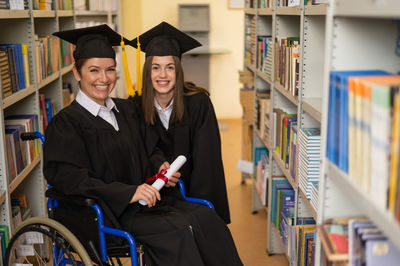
[(64, 4), (261, 108), (250, 39), (47, 110), (14, 68), (264, 3), (14, 4), (250, 3), (264, 58), (280, 3), (301, 243), (287, 63), (338, 114), (36, 4), (356, 241), (286, 129), (20, 153), (283, 3), (298, 235), (47, 59), (363, 132), (309, 161), (52, 4), (96, 5)]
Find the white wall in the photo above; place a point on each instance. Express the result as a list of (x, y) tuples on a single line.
[(227, 31)]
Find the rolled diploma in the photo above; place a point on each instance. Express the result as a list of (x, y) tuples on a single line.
[(174, 167)]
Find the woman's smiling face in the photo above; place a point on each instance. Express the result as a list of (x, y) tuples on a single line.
[(97, 78), (163, 75)]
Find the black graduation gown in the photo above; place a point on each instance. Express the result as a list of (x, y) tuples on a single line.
[(84, 155), (197, 137)]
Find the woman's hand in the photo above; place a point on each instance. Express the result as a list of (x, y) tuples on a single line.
[(174, 178), (147, 193)]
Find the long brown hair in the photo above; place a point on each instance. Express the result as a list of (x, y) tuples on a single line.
[(181, 89)]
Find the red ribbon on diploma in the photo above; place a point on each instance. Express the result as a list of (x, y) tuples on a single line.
[(159, 175)]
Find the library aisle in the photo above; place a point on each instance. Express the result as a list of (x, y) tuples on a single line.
[(248, 230)]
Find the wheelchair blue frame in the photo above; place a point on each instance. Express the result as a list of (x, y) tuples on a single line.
[(103, 230)]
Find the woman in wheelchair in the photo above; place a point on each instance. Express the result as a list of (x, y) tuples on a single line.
[(95, 148)]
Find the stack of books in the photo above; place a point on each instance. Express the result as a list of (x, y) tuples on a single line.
[(309, 145)]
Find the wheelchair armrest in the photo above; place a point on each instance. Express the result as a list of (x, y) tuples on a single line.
[(76, 200), (193, 200)]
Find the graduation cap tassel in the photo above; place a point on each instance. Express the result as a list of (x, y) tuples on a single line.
[(128, 81), (139, 76)]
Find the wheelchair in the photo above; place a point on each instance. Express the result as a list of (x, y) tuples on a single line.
[(61, 239)]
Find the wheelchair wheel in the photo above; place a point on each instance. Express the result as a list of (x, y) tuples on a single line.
[(43, 241)]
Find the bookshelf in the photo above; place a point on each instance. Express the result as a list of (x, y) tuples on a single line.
[(341, 35), (22, 26)]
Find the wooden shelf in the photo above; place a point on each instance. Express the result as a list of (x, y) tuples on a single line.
[(19, 178), (313, 107), (286, 93), (91, 13), (285, 171), (289, 10), (11, 14), (265, 11), (264, 77), (19, 95), (65, 13), (66, 69), (315, 10), (49, 79), (250, 66), (250, 11), (44, 14)]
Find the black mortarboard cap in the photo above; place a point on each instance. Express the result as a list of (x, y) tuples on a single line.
[(164, 40), (96, 41)]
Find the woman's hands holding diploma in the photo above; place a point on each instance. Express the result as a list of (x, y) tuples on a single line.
[(148, 195)]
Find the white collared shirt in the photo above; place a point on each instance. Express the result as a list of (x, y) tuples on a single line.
[(164, 114), (96, 109)]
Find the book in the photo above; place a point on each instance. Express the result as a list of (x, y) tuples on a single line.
[(26, 65), (6, 84), (337, 139), (15, 132)]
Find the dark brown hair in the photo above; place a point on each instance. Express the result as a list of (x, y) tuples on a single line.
[(79, 63), (181, 89)]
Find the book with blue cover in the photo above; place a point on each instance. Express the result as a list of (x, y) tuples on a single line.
[(380, 252), (19, 64), (277, 183), (17, 147), (337, 140)]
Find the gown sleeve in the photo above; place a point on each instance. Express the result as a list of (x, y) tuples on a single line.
[(207, 179), (67, 166)]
